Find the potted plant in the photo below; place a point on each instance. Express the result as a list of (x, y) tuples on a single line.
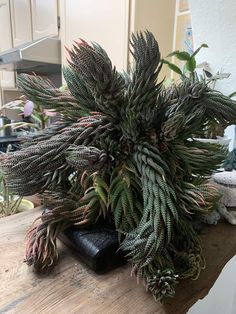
[(213, 130), (26, 115), (11, 204), (33, 118), (122, 151)]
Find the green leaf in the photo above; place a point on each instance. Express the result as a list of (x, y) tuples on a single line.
[(36, 117), (191, 65), (101, 194), (173, 67), (232, 94), (181, 55), (173, 53), (198, 49)]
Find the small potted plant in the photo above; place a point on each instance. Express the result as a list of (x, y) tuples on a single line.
[(213, 130), (27, 115), (11, 204)]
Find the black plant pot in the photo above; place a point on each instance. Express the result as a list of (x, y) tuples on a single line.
[(97, 246)]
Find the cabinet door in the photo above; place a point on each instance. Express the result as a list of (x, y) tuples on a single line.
[(103, 21), (5, 26), (7, 79), (44, 18), (21, 22)]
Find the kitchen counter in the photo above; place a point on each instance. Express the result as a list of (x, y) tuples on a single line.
[(6, 140), (9, 139), (72, 288)]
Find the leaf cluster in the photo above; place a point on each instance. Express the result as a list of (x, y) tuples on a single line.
[(123, 151)]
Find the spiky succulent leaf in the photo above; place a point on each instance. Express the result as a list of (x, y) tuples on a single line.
[(93, 65), (124, 195), (43, 92)]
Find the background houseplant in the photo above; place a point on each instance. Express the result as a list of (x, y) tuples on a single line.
[(11, 204), (31, 115), (121, 152), (213, 130), (8, 204), (33, 118)]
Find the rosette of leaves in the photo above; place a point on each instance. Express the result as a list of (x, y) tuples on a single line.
[(123, 151)]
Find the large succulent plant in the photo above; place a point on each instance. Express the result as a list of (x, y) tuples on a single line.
[(122, 149)]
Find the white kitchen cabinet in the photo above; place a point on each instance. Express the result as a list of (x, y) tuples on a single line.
[(7, 79), (21, 22), (5, 26), (103, 21), (44, 18), (33, 19)]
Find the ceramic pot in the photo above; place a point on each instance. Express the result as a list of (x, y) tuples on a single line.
[(25, 205)]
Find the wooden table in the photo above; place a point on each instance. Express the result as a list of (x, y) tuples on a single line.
[(72, 288)]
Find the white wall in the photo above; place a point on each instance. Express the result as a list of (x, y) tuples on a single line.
[(214, 23)]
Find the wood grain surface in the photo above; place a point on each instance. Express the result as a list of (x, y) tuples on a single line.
[(72, 288)]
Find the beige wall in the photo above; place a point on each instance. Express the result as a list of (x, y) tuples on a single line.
[(157, 16)]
